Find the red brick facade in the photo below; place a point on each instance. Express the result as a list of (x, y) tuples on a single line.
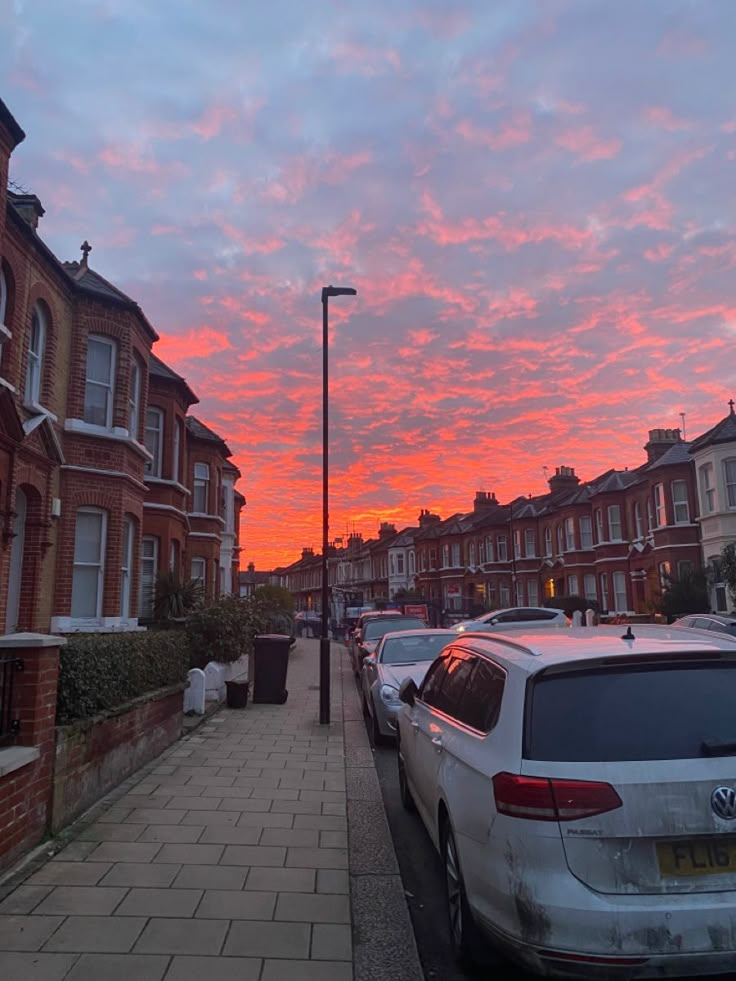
[(87, 471)]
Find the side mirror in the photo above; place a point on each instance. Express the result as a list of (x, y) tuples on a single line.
[(369, 659), (408, 691)]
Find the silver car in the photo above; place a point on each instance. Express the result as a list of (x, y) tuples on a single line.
[(399, 655), (514, 618)]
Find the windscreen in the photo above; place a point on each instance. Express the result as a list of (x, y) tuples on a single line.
[(662, 711), (406, 650), (375, 629)]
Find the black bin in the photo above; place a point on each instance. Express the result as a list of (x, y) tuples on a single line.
[(237, 694), (270, 663)]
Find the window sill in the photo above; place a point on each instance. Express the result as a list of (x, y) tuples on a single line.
[(5, 332), (94, 625), (117, 433), (36, 407), (15, 757), (205, 514), (150, 479), (6, 384)]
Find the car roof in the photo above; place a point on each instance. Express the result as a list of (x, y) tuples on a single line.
[(429, 632), (727, 621), (533, 650)]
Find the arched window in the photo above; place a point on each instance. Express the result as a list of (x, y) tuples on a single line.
[(36, 347), (89, 563), (99, 384)]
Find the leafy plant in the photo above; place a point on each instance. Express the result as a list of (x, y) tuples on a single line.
[(98, 672), (728, 566), (174, 598), (686, 593), (225, 630), (276, 597)]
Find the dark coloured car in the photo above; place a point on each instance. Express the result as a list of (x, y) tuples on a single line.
[(374, 629)]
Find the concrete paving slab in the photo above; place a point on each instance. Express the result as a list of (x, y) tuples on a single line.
[(249, 939), (182, 936), (331, 941), (214, 969), (140, 875), (95, 934), (159, 902), (36, 967), (226, 904), (306, 971), (118, 967), (24, 899)]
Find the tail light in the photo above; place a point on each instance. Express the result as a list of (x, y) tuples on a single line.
[(543, 799)]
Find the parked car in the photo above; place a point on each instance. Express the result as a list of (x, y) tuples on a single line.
[(368, 615), (374, 628), (580, 787), (399, 655), (709, 621), (512, 618)]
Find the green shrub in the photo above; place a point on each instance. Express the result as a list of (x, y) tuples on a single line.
[(223, 631), (102, 671)]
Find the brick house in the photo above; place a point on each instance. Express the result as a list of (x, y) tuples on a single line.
[(94, 442)]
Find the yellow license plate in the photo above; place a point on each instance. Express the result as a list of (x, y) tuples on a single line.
[(697, 856)]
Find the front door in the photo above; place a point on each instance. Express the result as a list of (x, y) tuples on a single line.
[(16, 563)]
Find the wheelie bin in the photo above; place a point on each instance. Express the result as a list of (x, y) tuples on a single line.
[(270, 664)]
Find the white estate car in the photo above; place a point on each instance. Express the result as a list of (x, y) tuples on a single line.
[(580, 786), (515, 618)]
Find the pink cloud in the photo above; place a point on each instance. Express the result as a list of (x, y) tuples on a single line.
[(514, 132), (586, 146), (663, 118), (199, 342), (129, 158), (352, 58)]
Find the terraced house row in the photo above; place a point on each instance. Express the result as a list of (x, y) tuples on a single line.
[(614, 539), (106, 479)]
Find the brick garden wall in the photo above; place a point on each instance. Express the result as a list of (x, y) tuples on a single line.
[(94, 756)]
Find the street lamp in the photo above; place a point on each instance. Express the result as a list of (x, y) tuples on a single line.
[(324, 643)]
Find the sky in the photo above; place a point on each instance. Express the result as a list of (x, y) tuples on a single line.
[(534, 200)]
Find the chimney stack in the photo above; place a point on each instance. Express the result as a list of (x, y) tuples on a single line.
[(484, 500), (427, 519), (661, 440), (564, 479)]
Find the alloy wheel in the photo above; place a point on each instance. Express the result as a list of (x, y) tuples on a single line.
[(454, 892)]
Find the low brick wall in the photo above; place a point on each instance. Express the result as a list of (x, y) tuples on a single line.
[(96, 755), (26, 765)]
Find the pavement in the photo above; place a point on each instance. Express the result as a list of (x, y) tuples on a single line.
[(256, 848)]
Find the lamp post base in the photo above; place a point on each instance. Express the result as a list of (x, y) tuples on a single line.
[(324, 680)]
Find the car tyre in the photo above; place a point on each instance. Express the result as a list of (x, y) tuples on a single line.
[(465, 938), (364, 704), (407, 800), (378, 737)]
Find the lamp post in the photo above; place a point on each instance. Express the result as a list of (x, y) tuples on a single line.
[(324, 643)]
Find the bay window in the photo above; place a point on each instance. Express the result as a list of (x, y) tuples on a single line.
[(99, 382), (149, 571), (89, 563), (36, 346), (680, 503), (659, 508), (707, 489), (569, 534), (586, 532), (154, 441), (614, 523), (729, 476), (530, 543)]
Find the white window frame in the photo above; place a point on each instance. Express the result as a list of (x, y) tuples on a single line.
[(109, 387), (650, 517), (99, 564), (471, 553), (126, 566), (707, 488), (572, 585), (560, 539), (175, 467), (519, 592), (174, 556), (603, 581), (664, 570), (154, 440), (681, 502), (620, 600), (445, 556), (638, 523), (532, 592), (586, 531), (548, 542), (615, 527), (134, 398), (590, 589), (504, 595), (148, 582), (517, 543), (569, 534), (729, 479), (3, 298), (530, 543), (400, 564), (660, 511), (489, 549), (502, 553), (199, 570), (34, 368), (412, 564), (455, 555), (599, 526)]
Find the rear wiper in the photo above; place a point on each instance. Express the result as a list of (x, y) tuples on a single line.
[(717, 747)]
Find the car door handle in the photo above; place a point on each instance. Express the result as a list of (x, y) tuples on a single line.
[(437, 743)]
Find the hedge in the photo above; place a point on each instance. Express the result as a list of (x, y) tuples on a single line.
[(98, 672)]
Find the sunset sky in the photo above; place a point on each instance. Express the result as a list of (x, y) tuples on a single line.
[(534, 200)]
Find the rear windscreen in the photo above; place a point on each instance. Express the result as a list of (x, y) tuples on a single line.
[(375, 629), (662, 712)]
